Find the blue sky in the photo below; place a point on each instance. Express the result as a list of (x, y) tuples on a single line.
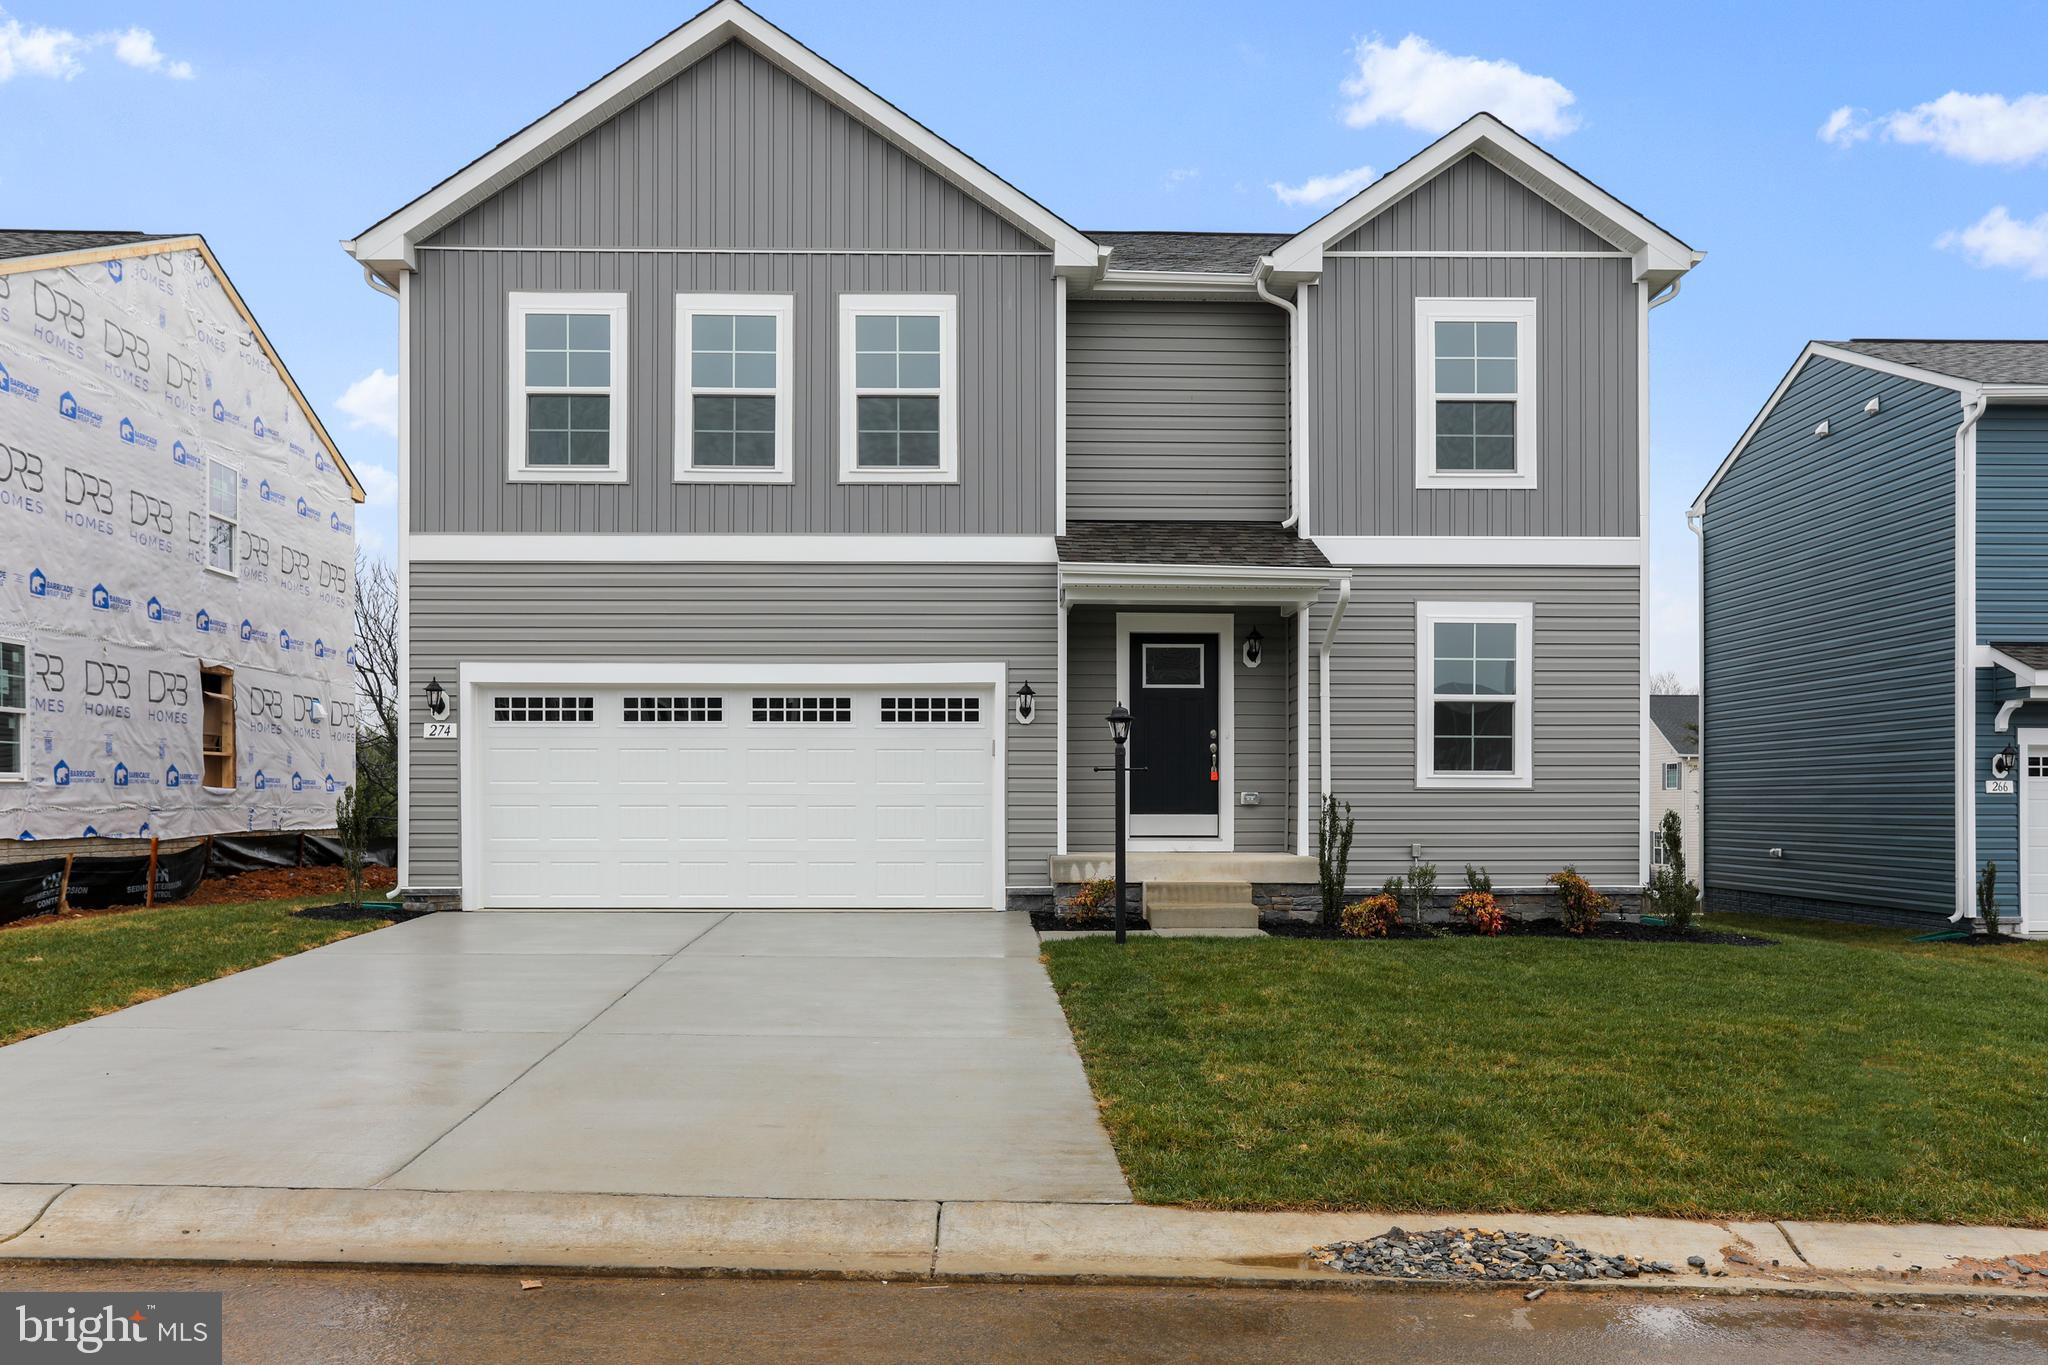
[(277, 130)]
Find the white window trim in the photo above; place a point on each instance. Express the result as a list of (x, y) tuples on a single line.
[(19, 774), (518, 305), (1429, 312), (781, 307), (1669, 771), (1428, 615), (946, 307), (234, 522)]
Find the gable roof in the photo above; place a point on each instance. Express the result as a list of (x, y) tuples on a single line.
[(1190, 252), (1660, 258), (387, 246), (109, 246), (1672, 713)]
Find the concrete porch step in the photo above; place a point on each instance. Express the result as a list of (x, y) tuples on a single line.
[(1200, 905)]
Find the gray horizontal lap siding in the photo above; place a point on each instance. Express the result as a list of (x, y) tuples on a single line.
[(1473, 206), (1176, 411), (1264, 760), (768, 614), (1362, 399), (1830, 648), (1584, 807), (732, 153)]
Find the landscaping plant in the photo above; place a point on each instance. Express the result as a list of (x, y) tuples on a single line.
[(1580, 904), (1373, 917), (1421, 889), (1477, 879), (352, 828), (1333, 856), (1987, 898), (1092, 903), (1480, 910), (1669, 893)]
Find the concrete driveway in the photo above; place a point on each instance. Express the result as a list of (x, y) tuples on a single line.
[(779, 1055)]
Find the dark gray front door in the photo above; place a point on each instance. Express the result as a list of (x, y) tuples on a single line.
[(1175, 735)]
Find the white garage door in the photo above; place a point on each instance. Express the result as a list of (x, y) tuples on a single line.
[(761, 796)]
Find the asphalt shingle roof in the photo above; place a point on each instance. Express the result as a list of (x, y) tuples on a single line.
[(1672, 713), (2033, 654), (1232, 253), (1986, 362), (15, 242), (1222, 544)]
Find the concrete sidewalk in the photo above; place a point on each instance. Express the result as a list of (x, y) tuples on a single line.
[(923, 1239)]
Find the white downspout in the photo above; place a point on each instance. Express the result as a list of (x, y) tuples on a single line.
[(1696, 522), (1966, 648), (1295, 413), (1323, 664), (1668, 294)]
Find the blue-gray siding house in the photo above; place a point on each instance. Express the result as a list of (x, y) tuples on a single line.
[(1875, 664)]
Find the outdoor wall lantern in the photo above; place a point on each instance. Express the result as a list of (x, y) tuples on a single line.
[(437, 700), (1027, 705), (2006, 761), (1254, 648)]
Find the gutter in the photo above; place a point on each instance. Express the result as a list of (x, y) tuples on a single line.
[(1974, 404), (376, 282), (1323, 663), (1296, 408)]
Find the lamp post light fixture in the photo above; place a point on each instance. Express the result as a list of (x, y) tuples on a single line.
[(1027, 705), (437, 700), (1120, 731), (1254, 648)]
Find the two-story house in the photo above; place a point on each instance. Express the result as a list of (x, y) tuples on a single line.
[(1874, 604), (786, 500)]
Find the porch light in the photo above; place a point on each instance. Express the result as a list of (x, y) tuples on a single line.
[(1254, 648), (2006, 761), (1027, 705), (437, 700), (1119, 724)]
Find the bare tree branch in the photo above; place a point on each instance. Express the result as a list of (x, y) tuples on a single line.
[(377, 643)]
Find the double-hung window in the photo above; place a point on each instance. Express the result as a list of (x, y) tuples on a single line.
[(733, 388), (13, 711), (1475, 393), (223, 516), (1473, 694), (899, 399), (1674, 777), (568, 383)]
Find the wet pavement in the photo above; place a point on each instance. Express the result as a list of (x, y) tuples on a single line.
[(387, 1317)]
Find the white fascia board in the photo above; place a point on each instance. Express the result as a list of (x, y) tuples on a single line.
[(388, 246), (1174, 283), (603, 548), (1825, 351), (1656, 252), (1461, 552), (1154, 584)]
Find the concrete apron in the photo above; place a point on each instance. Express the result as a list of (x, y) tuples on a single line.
[(920, 1239)]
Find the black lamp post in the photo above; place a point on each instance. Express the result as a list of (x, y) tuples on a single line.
[(1120, 731)]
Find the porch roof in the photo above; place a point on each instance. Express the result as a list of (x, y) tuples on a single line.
[(1237, 563)]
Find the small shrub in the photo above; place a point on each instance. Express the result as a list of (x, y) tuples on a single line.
[(1421, 890), (1477, 880), (1334, 828), (1094, 902), (1581, 905), (1987, 898), (1480, 910), (1373, 917), (1669, 893), (352, 828)]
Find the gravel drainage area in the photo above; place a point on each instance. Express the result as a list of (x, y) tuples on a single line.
[(1475, 1254)]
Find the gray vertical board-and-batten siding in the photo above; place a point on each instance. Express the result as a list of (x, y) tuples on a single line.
[(1362, 380), (732, 178), (1830, 648), (752, 613), (1264, 760), (1176, 411), (1584, 807)]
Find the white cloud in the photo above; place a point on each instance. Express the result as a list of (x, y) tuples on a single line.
[(380, 485), (1322, 189), (372, 401), (377, 519), (137, 47), (1178, 176), (1987, 130), (1845, 127), (1416, 83), (59, 53), (1999, 241)]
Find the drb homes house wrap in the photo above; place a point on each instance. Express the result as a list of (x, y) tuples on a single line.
[(786, 499)]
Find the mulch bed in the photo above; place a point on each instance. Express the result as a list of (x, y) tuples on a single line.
[(1045, 921), (1607, 931), (264, 884), (347, 913)]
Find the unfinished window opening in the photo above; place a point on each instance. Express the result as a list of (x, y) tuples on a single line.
[(217, 726)]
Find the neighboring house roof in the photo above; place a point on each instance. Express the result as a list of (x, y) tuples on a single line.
[(1238, 544), (1232, 253), (18, 242), (1660, 257), (1677, 717), (58, 248), (2006, 371), (387, 245), (1987, 362)]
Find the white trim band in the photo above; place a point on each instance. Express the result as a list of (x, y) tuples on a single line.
[(684, 548), (1485, 552)]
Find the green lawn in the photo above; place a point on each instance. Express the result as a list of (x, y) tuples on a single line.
[(1845, 1073), (57, 974)]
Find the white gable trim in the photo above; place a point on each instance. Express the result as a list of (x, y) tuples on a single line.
[(1658, 256), (389, 246)]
